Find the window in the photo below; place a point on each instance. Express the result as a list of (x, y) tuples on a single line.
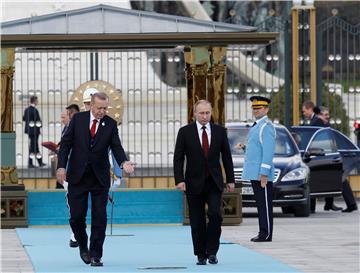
[(302, 136), (342, 142), (283, 146), (323, 140)]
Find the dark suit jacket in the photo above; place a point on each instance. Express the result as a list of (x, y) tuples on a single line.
[(316, 121), (85, 151), (188, 146), (31, 114)]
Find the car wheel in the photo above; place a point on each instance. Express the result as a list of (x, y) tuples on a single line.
[(287, 210), (303, 210)]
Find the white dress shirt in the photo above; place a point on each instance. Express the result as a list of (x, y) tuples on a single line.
[(91, 122), (200, 131)]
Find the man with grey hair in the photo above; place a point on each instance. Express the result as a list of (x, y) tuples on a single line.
[(89, 136), (323, 113)]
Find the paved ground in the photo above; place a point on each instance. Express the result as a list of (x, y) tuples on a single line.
[(324, 242)]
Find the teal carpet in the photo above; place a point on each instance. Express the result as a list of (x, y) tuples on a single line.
[(140, 249)]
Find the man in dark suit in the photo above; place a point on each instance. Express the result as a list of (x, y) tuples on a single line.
[(347, 193), (201, 143), (309, 114), (33, 124), (89, 137), (65, 117)]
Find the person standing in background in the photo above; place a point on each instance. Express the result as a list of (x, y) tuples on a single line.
[(66, 116), (309, 114), (33, 124), (72, 110), (259, 166), (347, 192), (323, 114)]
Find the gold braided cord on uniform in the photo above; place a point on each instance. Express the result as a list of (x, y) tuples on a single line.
[(259, 103)]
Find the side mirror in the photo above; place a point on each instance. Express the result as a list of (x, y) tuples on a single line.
[(314, 152)]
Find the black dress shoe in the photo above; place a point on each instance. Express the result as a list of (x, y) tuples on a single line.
[(201, 260), (84, 255), (332, 207), (212, 259), (31, 166), (96, 262), (260, 239), (73, 243), (42, 165), (350, 208)]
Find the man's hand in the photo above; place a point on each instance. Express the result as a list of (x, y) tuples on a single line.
[(230, 187), (263, 181), (117, 183), (61, 175), (129, 166), (181, 186)]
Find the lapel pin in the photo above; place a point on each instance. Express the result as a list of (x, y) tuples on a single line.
[(103, 123)]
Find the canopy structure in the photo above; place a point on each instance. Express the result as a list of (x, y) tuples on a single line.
[(104, 26)]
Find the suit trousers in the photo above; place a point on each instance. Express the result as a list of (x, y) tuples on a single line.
[(34, 145), (263, 198), (206, 237), (78, 203), (347, 195)]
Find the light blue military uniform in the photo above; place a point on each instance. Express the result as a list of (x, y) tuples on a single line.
[(259, 151), (259, 155), (116, 168)]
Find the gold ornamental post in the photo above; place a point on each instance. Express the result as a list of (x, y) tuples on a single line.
[(295, 57), (14, 211), (295, 64), (8, 162), (205, 79)]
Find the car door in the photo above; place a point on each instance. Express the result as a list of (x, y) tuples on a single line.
[(350, 153), (326, 168)]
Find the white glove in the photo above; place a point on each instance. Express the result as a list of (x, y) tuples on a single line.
[(65, 185), (117, 183)]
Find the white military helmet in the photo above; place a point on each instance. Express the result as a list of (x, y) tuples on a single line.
[(88, 93)]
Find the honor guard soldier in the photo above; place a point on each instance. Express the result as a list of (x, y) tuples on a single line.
[(259, 167)]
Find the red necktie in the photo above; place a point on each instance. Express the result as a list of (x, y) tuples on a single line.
[(93, 128), (205, 142)]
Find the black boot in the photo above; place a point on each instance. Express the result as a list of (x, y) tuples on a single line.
[(329, 204), (350, 208), (30, 163), (41, 164), (332, 207)]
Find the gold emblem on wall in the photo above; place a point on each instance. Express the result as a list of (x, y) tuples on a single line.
[(116, 106)]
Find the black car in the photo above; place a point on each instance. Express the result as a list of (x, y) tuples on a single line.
[(291, 183), (323, 147)]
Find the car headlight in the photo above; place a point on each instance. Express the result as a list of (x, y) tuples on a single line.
[(297, 174)]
